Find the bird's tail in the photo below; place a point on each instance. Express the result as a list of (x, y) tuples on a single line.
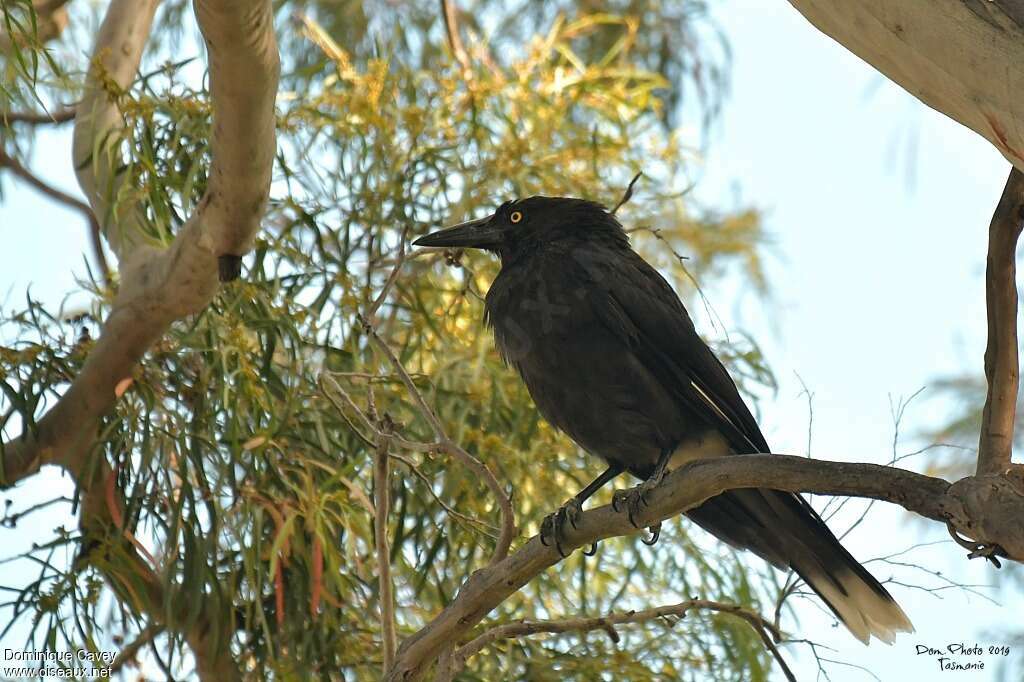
[(864, 606), (783, 529)]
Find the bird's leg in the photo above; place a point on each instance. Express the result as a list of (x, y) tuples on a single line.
[(553, 526), (635, 497)]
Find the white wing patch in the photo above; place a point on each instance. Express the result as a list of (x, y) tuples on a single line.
[(712, 405)]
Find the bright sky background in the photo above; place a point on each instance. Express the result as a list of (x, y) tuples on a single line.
[(877, 279)]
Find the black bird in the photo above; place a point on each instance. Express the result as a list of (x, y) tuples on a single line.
[(611, 357)]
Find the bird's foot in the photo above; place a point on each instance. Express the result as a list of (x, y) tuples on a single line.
[(552, 528), (634, 500)]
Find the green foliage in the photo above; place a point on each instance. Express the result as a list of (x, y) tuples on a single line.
[(250, 487)]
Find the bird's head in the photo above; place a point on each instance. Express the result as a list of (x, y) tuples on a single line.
[(518, 226)]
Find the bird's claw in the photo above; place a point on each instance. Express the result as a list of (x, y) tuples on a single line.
[(633, 500), (655, 534), (552, 529)]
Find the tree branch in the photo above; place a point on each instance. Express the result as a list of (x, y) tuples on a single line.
[(688, 487), (50, 21), (99, 124), (161, 285), (25, 174), (138, 581), (446, 444), (382, 507), (244, 70), (58, 117), (1001, 363), (764, 628), (451, 26)]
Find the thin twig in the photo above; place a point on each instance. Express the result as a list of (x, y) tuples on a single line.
[(449, 446), (451, 26), (486, 528), (1001, 364), (367, 422), (58, 117), (774, 650), (766, 630), (371, 312), (33, 180), (382, 503), (129, 651), (628, 193), (396, 440)]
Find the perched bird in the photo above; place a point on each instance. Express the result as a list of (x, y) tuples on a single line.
[(611, 357)]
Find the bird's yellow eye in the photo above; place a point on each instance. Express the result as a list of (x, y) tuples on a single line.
[(516, 216)]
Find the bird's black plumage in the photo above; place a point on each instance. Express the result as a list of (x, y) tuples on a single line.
[(611, 357)]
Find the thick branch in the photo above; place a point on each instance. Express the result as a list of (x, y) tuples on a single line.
[(98, 122), (163, 285), (964, 58), (686, 488), (244, 70), (25, 174), (1001, 363), (159, 285)]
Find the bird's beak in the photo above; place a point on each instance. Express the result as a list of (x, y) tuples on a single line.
[(474, 234)]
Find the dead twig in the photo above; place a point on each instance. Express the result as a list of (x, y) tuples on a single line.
[(371, 312), (768, 632), (447, 445), (336, 391), (628, 193), (443, 442), (382, 505)]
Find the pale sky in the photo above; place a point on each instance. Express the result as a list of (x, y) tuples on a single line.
[(878, 209)]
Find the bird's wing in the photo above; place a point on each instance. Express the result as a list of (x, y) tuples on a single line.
[(635, 302)]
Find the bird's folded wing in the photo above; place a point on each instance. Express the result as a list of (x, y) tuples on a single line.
[(635, 302)]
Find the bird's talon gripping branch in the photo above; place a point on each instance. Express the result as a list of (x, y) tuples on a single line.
[(552, 528), (655, 534), (620, 499), (646, 487), (977, 549), (633, 500), (989, 552)]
